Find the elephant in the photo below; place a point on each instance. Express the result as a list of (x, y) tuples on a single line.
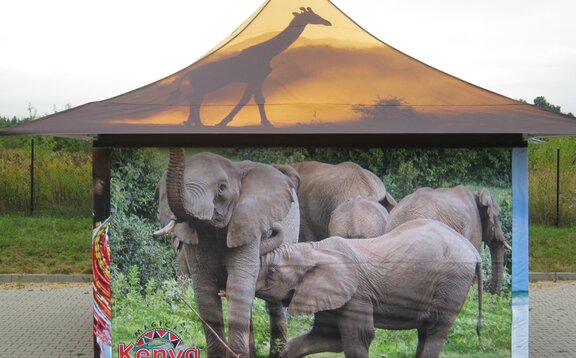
[(323, 187), (358, 218), (474, 214), (226, 214), (416, 276)]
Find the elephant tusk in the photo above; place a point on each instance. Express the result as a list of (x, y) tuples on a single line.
[(166, 229), (506, 245)]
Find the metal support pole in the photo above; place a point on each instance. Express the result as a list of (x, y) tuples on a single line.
[(32, 177), (520, 254), (558, 187), (101, 173)]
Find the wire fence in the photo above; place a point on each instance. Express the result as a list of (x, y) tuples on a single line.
[(39, 182), (42, 182), (552, 185)]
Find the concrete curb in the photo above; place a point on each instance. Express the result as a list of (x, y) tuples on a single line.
[(45, 278), (552, 276)]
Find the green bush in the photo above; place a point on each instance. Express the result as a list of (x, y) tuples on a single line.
[(135, 218), (132, 244), (402, 170), (135, 175), (267, 155)]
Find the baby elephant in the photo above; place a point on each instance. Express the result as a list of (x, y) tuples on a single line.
[(415, 277), (358, 218)]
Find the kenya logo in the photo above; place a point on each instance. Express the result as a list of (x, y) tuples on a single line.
[(157, 343)]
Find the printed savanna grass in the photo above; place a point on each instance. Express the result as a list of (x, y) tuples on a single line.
[(137, 308)]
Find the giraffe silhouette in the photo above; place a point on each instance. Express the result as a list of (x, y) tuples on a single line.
[(251, 66)]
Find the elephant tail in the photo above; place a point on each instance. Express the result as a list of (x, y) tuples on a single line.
[(480, 291)]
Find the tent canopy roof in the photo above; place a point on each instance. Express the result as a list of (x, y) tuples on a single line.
[(300, 68)]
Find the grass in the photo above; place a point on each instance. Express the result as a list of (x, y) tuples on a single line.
[(462, 340), (62, 182), (45, 245), (542, 185), (62, 245), (137, 309), (552, 249)]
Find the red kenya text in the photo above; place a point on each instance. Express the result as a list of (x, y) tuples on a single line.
[(125, 352)]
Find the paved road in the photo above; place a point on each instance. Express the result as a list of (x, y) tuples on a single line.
[(55, 320), (46, 320), (553, 319)]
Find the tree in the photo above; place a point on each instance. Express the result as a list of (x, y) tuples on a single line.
[(542, 103)]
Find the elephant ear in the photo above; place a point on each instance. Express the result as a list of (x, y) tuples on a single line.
[(378, 191), (185, 233), (290, 172), (328, 284), (265, 198), (490, 207)]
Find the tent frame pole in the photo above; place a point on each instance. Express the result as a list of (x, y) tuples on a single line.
[(520, 254), (101, 174)]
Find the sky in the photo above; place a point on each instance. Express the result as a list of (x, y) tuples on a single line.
[(60, 53)]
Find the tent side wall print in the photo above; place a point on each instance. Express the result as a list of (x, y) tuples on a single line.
[(374, 262)]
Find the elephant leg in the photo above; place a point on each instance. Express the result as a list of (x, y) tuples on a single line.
[(306, 234), (356, 326), (433, 340), (248, 93), (252, 346), (421, 340), (240, 299), (242, 264), (311, 343), (278, 328), (204, 276), (210, 310), (261, 101), (323, 337)]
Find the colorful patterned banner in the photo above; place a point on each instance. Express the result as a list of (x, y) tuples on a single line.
[(101, 288)]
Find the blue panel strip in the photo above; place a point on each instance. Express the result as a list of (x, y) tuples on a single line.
[(520, 254)]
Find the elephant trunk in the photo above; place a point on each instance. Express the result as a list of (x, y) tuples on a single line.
[(497, 256), (274, 241), (174, 183)]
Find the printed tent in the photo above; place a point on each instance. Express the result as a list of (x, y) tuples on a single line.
[(301, 68), (301, 72)]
